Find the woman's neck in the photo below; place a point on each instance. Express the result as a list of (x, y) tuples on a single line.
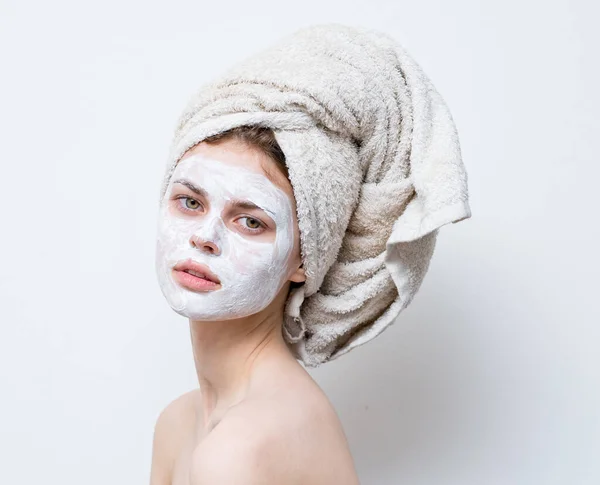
[(227, 354)]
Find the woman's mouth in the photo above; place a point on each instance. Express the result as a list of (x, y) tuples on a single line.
[(195, 276)]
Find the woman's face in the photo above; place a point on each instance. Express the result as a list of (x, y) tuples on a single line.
[(227, 234)]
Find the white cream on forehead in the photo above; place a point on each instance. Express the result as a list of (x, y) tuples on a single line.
[(251, 271)]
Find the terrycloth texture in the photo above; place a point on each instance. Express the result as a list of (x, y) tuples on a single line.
[(375, 164)]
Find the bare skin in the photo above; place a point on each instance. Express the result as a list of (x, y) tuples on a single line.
[(257, 417)]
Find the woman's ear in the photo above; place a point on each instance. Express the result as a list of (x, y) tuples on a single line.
[(299, 276)]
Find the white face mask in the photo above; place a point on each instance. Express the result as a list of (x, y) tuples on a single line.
[(215, 231)]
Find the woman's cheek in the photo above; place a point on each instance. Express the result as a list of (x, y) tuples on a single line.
[(250, 257), (178, 232)]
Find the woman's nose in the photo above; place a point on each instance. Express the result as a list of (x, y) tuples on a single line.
[(205, 244)]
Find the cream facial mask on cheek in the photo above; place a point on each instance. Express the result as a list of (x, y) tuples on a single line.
[(251, 270)]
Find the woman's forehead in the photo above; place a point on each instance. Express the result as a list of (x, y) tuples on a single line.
[(214, 171), (243, 161)]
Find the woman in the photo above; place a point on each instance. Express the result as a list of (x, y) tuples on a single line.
[(298, 216), (258, 416)]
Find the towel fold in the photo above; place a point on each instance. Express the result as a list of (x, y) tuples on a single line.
[(374, 161)]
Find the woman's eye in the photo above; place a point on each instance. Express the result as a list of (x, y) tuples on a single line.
[(191, 203), (251, 224), (187, 204)]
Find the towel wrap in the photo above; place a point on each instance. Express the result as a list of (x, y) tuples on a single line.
[(374, 162)]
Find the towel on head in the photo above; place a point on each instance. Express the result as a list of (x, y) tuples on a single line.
[(374, 162)]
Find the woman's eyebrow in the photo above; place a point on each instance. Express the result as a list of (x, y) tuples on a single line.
[(246, 204), (197, 190)]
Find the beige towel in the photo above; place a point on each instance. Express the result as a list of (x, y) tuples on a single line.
[(374, 161)]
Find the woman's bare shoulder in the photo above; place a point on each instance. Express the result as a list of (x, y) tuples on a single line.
[(286, 431), (171, 430), (180, 413)]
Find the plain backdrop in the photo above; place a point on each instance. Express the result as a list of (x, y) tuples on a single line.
[(490, 376)]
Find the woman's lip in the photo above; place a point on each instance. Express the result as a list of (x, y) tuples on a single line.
[(194, 283), (190, 264)]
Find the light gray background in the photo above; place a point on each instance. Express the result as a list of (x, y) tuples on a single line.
[(490, 376)]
